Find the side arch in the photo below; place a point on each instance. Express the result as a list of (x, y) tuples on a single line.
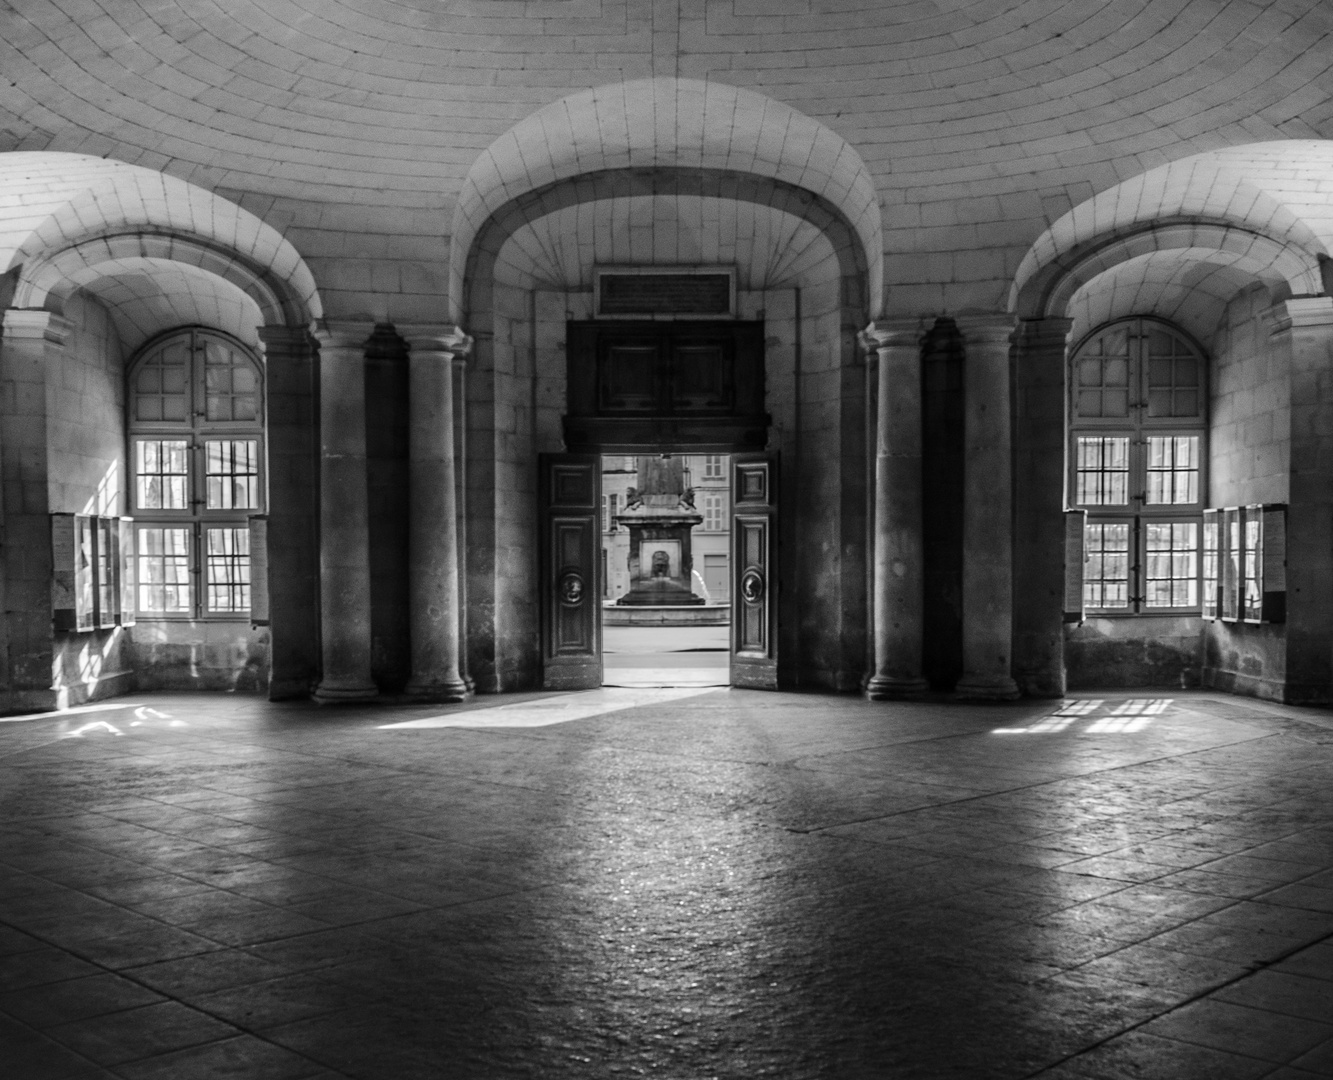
[(68, 203), (1285, 266)]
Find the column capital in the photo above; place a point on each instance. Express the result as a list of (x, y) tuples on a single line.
[(343, 333), (986, 328), (1301, 312), (893, 333), (285, 338), (1049, 332), (35, 324), (436, 338)]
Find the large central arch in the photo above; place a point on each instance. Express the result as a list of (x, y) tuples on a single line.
[(676, 124), (657, 157)]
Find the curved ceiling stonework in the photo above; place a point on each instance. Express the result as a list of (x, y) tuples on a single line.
[(981, 122)]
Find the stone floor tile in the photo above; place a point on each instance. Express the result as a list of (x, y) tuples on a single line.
[(1293, 995), (155, 887), (257, 1006), (1239, 1029), (38, 967), (14, 941), (1301, 895), (1209, 883), (30, 1055), (76, 999), (1152, 1057), (244, 1057), (1247, 865), (1318, 1060), (1163, 969), (1315, 962), (140, 1033)]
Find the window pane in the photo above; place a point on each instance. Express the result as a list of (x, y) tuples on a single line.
[(1173, 377), (230, 391), (1173, 470), (227, 569), (232, 474), (1171, 551), (162, 474), (1103, 378), (160, 386), (164, 570), (1211, 565), (713, 513), (1106, 570), (1253, 599), (1102, 470)]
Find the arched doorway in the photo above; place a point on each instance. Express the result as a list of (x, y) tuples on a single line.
[(800, 233)]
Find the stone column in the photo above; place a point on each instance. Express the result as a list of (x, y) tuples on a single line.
[(433, 551), (30, 354), (344, 541), (1039, 501), (1303, 334), (898, 570), (293, 512), (987, 510), (460, 487)]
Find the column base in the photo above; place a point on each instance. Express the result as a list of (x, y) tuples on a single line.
[(335, 691), (447, 690), (986, 688), (893, 688)]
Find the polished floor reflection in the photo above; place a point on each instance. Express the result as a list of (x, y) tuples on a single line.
[(686, 884)]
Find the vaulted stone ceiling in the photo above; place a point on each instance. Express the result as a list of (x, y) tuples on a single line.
[(350, 125), (327, 99)]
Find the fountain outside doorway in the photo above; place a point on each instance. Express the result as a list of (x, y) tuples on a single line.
[(660, 515)]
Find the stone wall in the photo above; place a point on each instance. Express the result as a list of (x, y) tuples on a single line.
[(1249, 462), (86, 474), (1144, 650)]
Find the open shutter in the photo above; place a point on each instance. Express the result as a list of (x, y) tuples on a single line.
[(1273, 562), (571, 542), (1075, 528), (754, 647)]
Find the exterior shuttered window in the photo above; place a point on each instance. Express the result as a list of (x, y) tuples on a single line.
[(195, 402), (1137, 446)]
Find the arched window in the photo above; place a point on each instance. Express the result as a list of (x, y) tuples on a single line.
[(1137, 452), (196, 425)]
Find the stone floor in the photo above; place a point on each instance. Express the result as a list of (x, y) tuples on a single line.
[(681, 883)]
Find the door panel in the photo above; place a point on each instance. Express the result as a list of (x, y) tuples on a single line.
[(571, 562), (754, 657)]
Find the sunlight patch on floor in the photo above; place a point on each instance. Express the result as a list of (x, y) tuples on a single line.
[(1115, 717), (560, 709)]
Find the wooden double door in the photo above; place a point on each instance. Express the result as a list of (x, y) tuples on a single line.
[(571, 570)]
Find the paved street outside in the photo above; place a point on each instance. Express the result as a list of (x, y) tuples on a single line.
[(665, 655)]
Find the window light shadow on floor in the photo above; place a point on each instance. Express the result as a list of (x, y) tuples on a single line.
[(559, 709), (1118, 717)]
